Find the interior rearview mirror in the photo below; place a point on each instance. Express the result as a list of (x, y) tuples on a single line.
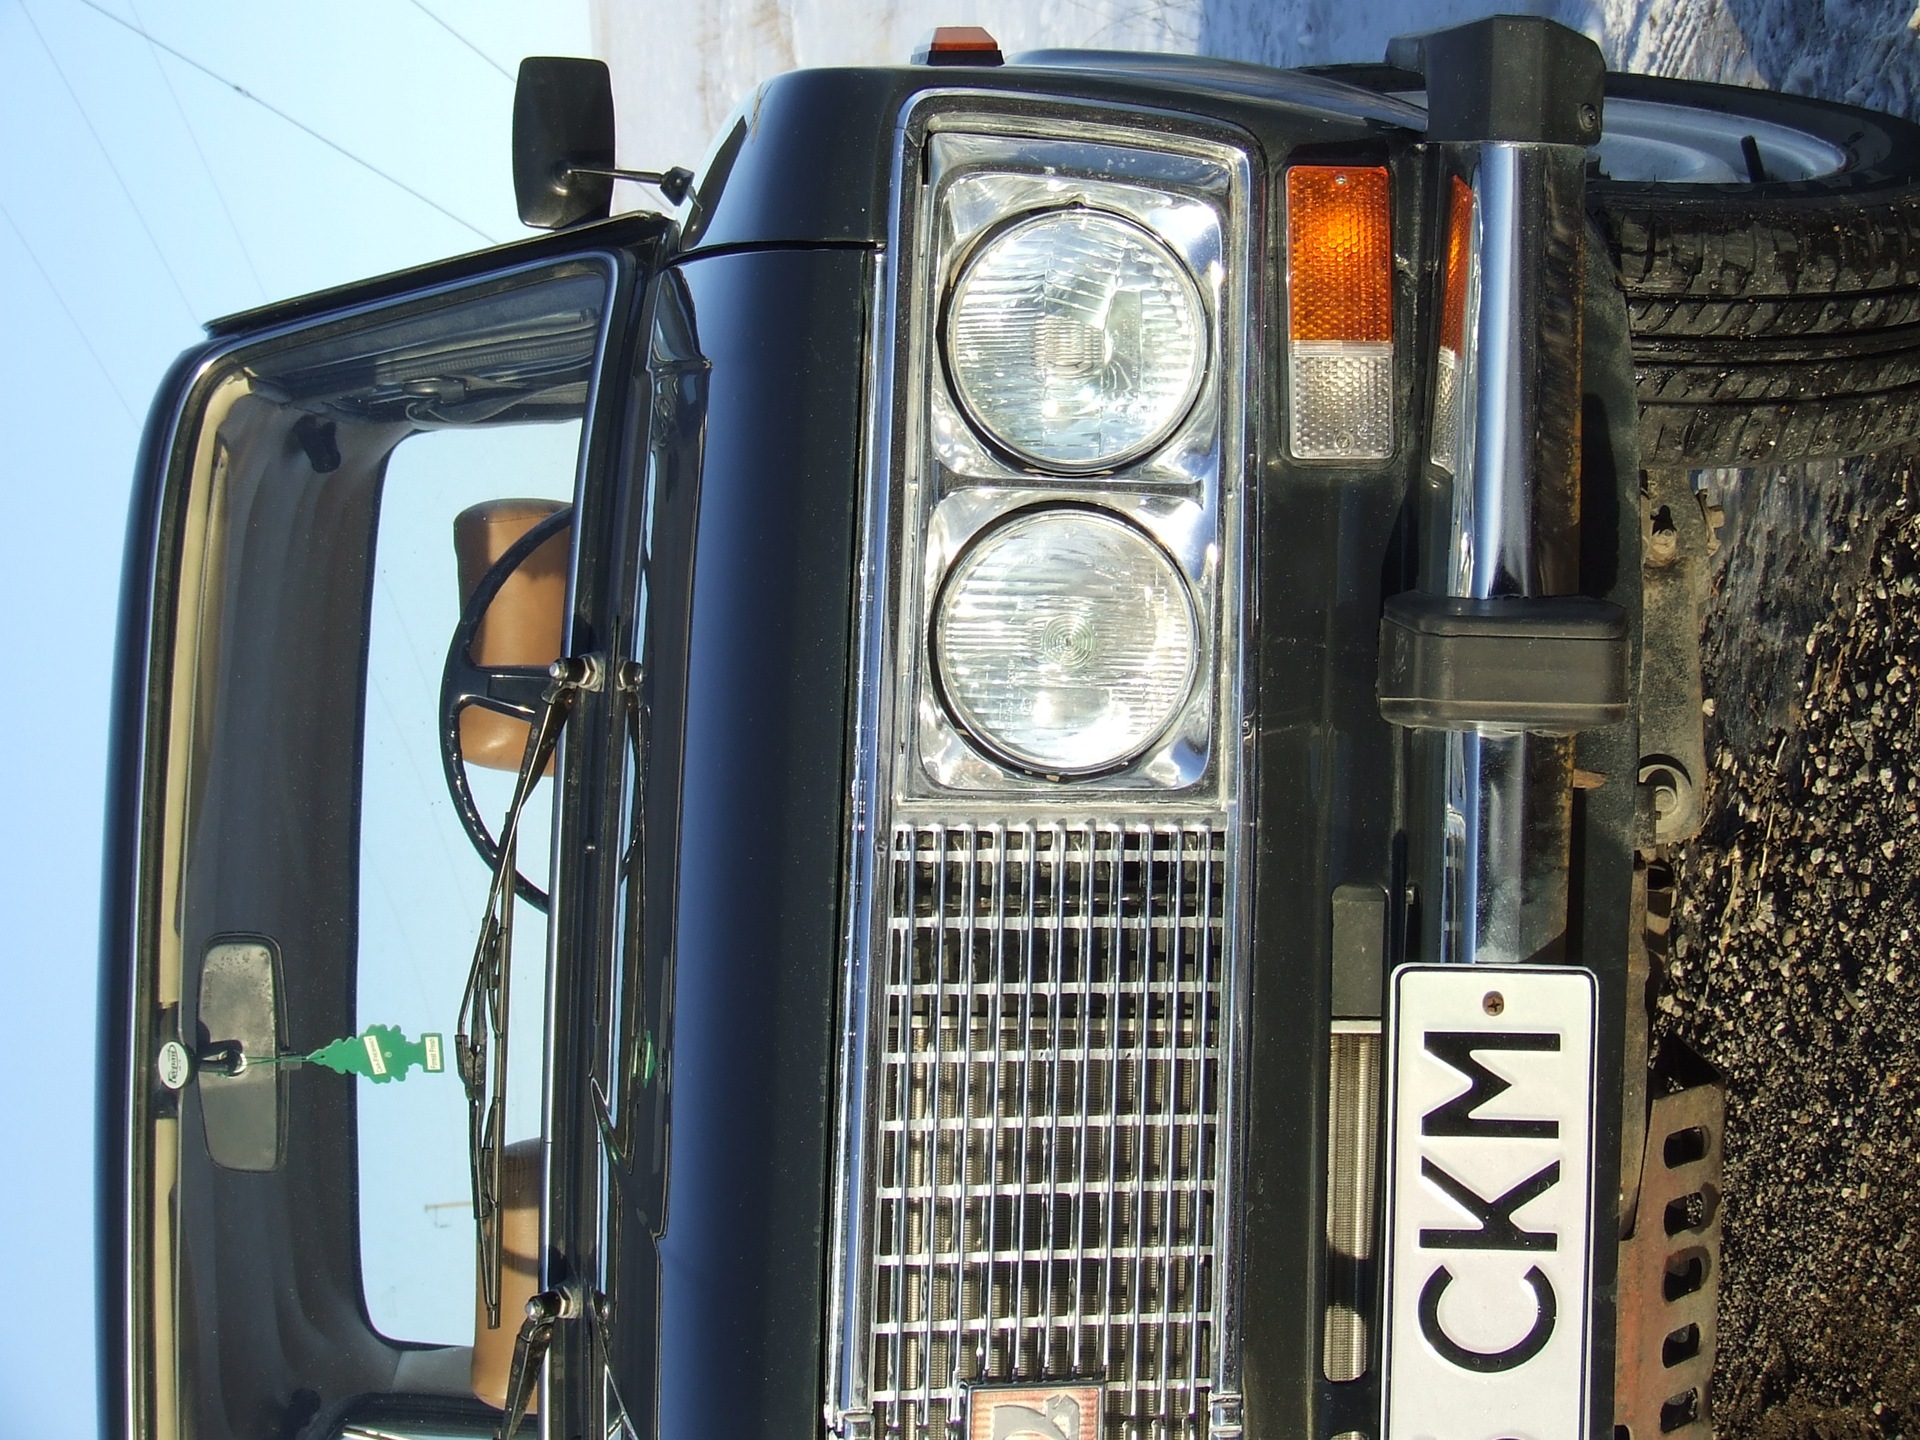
[(242, 1091)]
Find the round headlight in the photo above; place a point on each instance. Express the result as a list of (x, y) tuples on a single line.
[(1064, 641), (1075, 339)]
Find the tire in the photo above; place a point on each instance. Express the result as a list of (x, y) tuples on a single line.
[(1774, 320)]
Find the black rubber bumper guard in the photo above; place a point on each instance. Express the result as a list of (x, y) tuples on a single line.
[(1552, 666)]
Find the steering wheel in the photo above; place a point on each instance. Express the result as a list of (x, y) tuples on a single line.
[(513, 690)]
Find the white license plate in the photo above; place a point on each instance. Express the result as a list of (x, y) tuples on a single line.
[(1489, 1203)]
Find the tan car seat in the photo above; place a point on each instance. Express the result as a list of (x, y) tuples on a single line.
[(525, 624), (519, 1273)]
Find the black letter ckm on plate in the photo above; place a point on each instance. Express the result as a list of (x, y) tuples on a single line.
[(1489, 1203)]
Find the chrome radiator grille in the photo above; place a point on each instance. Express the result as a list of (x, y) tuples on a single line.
[(1048, 1099)]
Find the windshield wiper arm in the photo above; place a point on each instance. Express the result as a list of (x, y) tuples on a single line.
[(480, 1040), (544, 1311)]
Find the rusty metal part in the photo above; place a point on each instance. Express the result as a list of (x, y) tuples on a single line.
[(1676, 538), (1653, 905), (1670, 1266), (1675, 803)]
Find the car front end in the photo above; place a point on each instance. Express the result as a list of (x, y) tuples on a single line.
[(1026, 950)]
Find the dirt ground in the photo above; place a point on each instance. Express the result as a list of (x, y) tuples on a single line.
[(1796, 965)]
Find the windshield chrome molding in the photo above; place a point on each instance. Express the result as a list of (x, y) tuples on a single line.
[(150, 1397), (874, 570), (882, 801)]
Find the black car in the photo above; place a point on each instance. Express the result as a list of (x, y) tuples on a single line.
[(1107, 646)]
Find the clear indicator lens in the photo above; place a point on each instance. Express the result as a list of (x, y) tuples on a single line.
[(1076, 339), (1342, 395), (1065, 641)]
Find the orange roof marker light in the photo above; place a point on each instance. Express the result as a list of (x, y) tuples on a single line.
[(1340, 312), (959, 45)]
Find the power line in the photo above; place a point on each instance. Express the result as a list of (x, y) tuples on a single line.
[(462, 39), (212, 179), (107, 155), (72, 319), (303, 128)]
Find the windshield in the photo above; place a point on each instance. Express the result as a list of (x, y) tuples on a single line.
[(349, 488)]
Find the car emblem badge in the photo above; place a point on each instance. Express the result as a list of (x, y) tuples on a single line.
[(1051, 1412)]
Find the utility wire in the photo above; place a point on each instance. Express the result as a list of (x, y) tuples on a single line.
[(462, 39), (66, 310), (303, 128), (213, 179), (107, 155)]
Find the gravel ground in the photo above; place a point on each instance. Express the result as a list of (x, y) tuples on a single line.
[(1795, 965)]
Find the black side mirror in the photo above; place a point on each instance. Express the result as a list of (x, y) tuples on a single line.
[(562, 118)]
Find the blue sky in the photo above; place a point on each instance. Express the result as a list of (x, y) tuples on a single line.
[(140, 195)]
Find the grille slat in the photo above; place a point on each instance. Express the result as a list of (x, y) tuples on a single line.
[(1047, 1135)]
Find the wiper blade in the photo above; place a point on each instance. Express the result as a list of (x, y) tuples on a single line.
[(480, 1040), (625, 1056)]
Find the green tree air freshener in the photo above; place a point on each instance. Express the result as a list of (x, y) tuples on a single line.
[(381, 1053)]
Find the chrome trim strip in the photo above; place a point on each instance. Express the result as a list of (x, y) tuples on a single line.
[(1516, 529), (1353, 1134), (848, 1241), (1505, 807)]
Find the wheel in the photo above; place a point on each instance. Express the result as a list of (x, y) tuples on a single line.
[(1769, 247)]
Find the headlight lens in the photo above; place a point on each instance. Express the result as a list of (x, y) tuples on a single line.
[(1065, 641), (1076, 339)]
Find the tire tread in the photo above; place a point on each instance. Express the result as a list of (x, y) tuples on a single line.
[(1787, 248), (1777, 434), (1769, 331)]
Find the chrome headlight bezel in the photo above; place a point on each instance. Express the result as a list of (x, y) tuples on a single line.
[(1176, 756), (988, 185), (958, 484), (993, 431), (976, 844)]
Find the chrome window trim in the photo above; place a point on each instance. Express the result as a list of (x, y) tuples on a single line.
[(902, 343)]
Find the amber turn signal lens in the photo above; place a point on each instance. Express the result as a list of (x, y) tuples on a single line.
[(959, 45), (1450, 372), (1340, 313), (1453, 314), (1339, 253)]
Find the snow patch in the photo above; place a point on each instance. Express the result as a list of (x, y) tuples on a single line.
[(680, 71)]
